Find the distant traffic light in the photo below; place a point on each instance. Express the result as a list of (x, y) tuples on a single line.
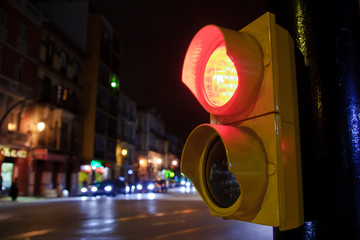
[(246, 163), (114, 82), (64, 94)]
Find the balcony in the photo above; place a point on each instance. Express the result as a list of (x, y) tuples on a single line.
[(54, 97), (18, 138)]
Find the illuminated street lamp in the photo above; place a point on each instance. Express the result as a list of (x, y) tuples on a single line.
[(174, 163), (11, 108), (40, 126), (124, 152), (11, 126)]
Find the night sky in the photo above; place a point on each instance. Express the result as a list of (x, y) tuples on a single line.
[(155, 36)]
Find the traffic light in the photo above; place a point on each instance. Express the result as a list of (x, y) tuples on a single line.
[(246, 163), (114, 82), (64, 94)]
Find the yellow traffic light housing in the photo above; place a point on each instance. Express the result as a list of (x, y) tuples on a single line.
[(246, 163)]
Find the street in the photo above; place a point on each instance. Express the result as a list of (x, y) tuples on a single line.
[(172, 215)]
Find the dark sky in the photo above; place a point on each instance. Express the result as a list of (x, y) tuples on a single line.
[(155, 36)]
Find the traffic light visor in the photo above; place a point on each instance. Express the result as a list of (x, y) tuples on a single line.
[(223, 69)]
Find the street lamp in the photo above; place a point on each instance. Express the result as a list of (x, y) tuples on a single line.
[(40, 126), (11, 126), (124, 152), (12, 107)]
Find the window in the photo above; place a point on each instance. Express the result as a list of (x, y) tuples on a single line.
[(102, 99), (112, 127), (64, 139), (101, 123), (46, 89), (19, 73), (111, 150), (3, 17), (99, 147), (1, 63), (104, 75), (63, 58), (113, 105), (22, 38), (75, 76), (116, 43), (49, 52), (23, 32), (107, 31), (115, 64)]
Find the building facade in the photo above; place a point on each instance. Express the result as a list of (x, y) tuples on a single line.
[(56, 149), (64, 120), (125, 150), (102, 96), (150, 148), (172, 153), (20, 30)]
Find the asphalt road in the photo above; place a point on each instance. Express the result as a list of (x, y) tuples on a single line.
[(137, 216)]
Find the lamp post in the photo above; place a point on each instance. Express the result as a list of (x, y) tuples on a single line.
[(11, 108)]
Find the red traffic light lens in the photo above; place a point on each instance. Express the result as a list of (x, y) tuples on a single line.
[(220, 78), (224, 70)]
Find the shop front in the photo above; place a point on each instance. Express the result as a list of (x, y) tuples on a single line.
[(53, 174), (14, 164)]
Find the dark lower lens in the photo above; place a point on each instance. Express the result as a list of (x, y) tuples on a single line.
[(223, 187)]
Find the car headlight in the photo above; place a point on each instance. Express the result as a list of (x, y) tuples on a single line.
[(108, 188), (182, 182), (83, 189), (94, 189), (127, 189), (139, 187), (151, 187)]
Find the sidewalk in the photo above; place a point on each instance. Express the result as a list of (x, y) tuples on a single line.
[(21, 199)]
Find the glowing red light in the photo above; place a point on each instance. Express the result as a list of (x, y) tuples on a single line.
[(220, 78)]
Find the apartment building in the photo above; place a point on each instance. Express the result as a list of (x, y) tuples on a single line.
[(20, 31)]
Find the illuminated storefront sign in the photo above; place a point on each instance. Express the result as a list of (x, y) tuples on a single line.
[(40, 153), (11, 152), (95, 164), (88, 168)]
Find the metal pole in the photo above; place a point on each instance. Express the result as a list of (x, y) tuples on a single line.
[(327, 42), (11, 108)]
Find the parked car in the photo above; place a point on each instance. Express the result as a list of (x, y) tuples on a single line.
[(111, 187)]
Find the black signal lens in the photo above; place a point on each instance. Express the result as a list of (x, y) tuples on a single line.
[(222, 186)]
